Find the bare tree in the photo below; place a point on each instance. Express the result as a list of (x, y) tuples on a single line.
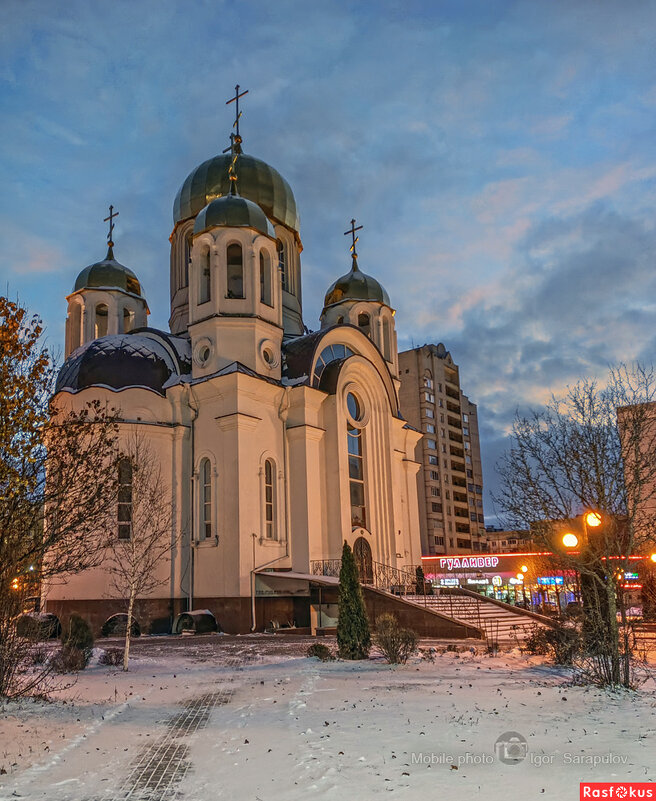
[(141, 550), (578, 455), (57, 484)]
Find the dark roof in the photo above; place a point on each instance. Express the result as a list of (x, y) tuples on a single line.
[(298, 354), (356, 285), (256, 181), (232, 211), (144, 358), (108, 273)]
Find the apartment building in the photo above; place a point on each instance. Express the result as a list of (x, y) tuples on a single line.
[(450, 481)]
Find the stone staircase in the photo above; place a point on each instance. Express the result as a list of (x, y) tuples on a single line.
[(501, 623)]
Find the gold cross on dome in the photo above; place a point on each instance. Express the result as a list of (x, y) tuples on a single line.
[(355, 238), (235, 100), (110, 219)]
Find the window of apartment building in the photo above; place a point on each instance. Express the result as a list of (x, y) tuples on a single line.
[(450, 538), (430, 429), (464, 543), (431, 444), (443, 432), (429, 397), (476, 546), (465, 431), (428, 382), (467, 446), (481, 519), (465, 418), (435, 492), (479, 503), (432, 460), (448, 511), (472, 517), (446, 464), (439, 386), (444, 448), (468, 459), (441, 418), (470, 474), (440, 403), (470, 487), (439, 540), (429, 413), (447, 494), (479, 489), (435, 476), (437, 507)]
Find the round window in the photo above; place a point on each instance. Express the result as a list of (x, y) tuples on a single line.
[(204, 353), (353, 406)]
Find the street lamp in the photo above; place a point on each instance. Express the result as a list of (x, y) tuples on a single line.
[(570, 540), (653, 557), (592, 519)]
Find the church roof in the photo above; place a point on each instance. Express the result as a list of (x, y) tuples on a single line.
[(143, 358), (108, 274), (257, 181), (356, 285), (233, 211)]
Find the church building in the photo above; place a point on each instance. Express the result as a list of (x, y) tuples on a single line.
[(277, 444)]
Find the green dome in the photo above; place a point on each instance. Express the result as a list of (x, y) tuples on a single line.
[(108, 274), (232, 211), (257, 181), (355, 285)]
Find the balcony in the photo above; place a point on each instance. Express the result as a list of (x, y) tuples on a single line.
[(458, 467), (453, 407), (455, 422)]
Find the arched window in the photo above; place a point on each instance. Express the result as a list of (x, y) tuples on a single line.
[(364, 323), (428, 379), (102, 317), (265, 278), (269, 500), (128, 320), (206, 498), (186, 257), (387, 340), (356, 461), (124, 499), (205, 287), (75, 326), (235, 272), (329, 354), (282, 264)]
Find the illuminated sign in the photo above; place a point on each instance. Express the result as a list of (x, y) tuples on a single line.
[(457, 562), (450, 582), (497, 581), (551, 580), (477, 581), (631, 576)]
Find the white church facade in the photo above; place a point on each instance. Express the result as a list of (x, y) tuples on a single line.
[(277, 444)]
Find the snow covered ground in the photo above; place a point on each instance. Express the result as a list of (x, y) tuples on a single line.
[(251, 718)]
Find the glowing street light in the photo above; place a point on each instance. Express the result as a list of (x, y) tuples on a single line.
[(524, 569), (570, 540), (653, 557), (593, 519), (520, 577)]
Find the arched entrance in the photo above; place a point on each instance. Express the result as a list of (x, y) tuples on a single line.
[(363, 560)]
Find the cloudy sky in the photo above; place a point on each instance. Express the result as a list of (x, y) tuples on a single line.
[(501, 156)]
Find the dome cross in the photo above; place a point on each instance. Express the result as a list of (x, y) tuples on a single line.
[(110, 219), (235, 125), (355, 238)]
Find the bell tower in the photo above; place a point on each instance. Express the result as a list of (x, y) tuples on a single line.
[(106, 299)]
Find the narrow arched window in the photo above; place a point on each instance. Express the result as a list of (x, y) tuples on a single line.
[(206, 498), (282, 264), (124, 499), (102, 317), (364, 323), (387, 341), (355, 461), (205, 288), (265, 278), (128, 320), (75, 326), (235, 271), (186, 258), (269, 500)]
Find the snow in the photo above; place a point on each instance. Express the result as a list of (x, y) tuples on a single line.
[(287, 727)]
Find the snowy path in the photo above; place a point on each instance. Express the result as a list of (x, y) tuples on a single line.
[(278, 727)]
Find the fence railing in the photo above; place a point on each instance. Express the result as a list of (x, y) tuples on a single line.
[(375, 574)]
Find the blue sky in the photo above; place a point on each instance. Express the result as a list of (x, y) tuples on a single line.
[(501, 156)]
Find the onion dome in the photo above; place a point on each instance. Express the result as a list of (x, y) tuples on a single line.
[(108, 274), (233, 211), (143, 359), (356, 285), (258, 182)]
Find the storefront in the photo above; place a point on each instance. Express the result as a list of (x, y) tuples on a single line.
[(526, 579)]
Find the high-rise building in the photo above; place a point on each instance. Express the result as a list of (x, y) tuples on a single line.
[(450, 480)]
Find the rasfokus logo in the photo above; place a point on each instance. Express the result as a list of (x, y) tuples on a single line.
[(620, 791)]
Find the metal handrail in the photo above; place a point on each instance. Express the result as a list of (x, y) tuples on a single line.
[(382, 576)]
